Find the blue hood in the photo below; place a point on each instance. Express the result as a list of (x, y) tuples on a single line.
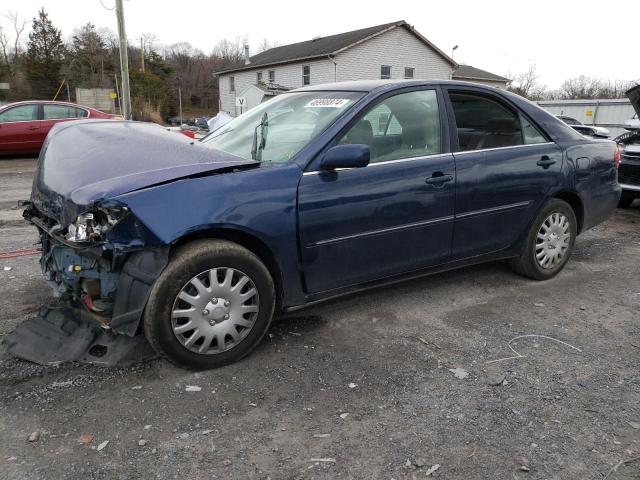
[(88, 161)]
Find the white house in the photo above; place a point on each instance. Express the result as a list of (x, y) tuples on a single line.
[(392, 50)]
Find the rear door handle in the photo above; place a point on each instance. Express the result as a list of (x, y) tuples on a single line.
[(33, 127), (545, 162), (438, 179)]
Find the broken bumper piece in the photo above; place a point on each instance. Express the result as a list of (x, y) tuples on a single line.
[(67, 334)]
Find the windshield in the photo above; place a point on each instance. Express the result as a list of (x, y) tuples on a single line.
[(276, 130)]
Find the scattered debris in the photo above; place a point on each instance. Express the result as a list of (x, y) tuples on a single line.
[(344, 415), (86, 438), (321, 435), (496, 379), (102, 445), (136, 387), (206, 432), (8, 269), (459, 372), (142, 442), (426, 342), (352, 385), (253, 405), (635, 425), (34, 437), (618, 465), (538, 304), (431, 470), (193, 388), (524, 468), (419, 462), (519, 355), (184, 436), (324, 460), (147, 427)]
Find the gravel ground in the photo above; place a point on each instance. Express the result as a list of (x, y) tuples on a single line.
[(393, 383)]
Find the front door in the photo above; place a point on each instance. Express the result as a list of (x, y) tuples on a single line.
[(19, 129), (505, 168), (391, 217)]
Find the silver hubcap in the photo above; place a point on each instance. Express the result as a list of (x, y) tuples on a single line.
[(552, 241), (215, 310)]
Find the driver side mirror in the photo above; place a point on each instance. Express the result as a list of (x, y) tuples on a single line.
[(346, 156)]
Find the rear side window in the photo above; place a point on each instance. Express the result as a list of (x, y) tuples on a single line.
[(22, 113), (55, 112), (483, 123), (406, 125)]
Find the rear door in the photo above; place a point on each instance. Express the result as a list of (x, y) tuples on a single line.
[(391, 217), (19, 129), (505, 167)]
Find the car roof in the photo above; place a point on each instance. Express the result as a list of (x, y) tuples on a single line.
[(372, 85), (48, 102)]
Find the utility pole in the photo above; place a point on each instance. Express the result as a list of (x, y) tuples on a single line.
[(142, 53), (124, 62)]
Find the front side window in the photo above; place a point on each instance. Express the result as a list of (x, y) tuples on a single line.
[(406, 125), (385, 72), (22, 113), (54, 112), (272, 76), (306, 75), (408, 72), (279, 128)]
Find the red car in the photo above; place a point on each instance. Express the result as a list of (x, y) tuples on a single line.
[(24, 125)]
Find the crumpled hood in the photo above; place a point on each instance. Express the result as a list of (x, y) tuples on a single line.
[(86, 161)]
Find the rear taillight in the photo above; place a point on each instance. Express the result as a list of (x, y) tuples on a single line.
[(617, 157)]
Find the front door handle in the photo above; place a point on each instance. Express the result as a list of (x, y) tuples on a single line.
[(438, 179), (33, 127), (545, 162)]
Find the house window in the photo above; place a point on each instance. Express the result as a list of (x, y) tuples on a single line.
[(408, 72), (385, 72), (232, 83), (272, 76), (259, 77), (306, 75)]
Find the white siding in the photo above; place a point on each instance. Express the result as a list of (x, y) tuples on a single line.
[(397, 48), (290, 75)]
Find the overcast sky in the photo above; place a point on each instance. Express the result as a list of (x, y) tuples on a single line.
[(562, 38)]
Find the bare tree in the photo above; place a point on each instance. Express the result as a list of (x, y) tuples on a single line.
[(527, 84), (11, 46)]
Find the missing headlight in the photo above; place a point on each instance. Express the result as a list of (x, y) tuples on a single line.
[(91, 226)]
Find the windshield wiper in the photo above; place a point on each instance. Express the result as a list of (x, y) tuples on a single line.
[(256, 149)]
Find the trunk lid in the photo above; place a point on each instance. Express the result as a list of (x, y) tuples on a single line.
[(87, 161), (634, 96)]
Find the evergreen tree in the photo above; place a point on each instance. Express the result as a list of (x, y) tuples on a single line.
[(44, 58)]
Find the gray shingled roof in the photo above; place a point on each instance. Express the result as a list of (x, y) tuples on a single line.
[(467, 72), (324, 46)]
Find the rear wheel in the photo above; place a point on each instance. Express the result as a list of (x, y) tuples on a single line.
[(626, 199), (211, 305), (549, 242)]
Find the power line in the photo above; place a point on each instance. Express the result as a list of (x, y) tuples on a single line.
[(105, 7)]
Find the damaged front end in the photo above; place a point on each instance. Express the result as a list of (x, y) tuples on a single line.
[(104, 262)]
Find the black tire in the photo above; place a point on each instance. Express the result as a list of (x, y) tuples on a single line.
[(626, 199), (189, 261), (527, 264)]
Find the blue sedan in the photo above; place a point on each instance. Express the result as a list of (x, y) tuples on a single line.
[(320, 192)]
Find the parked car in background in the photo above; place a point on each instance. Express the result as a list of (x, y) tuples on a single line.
[(588, 130), (25, 125), (629, 172), (319, 192)]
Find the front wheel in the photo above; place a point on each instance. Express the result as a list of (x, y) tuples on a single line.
[(626, 199), (211, 305), (549, 242)]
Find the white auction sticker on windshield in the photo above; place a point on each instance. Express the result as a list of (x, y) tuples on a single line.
[(327, 103)]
